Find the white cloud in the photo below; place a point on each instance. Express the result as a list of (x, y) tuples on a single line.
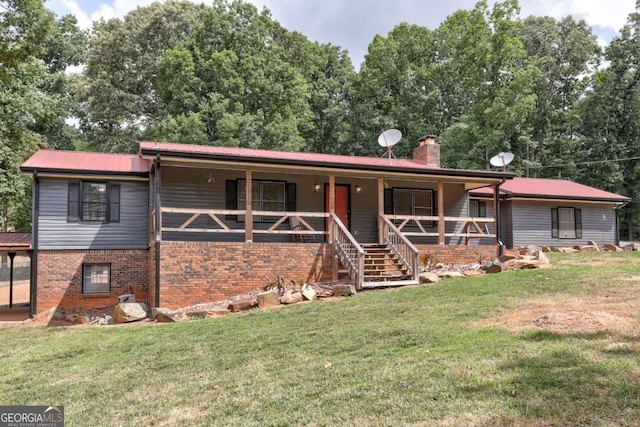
[(610, 14)]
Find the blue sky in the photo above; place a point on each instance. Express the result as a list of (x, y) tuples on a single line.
[(352, 24)]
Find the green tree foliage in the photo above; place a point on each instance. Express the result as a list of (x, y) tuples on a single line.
[(222, 74), (611, 129), (35, 50)]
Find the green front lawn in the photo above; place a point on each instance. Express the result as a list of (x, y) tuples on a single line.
[(422, 356)]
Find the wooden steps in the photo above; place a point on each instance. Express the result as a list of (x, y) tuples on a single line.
[(382, 268)]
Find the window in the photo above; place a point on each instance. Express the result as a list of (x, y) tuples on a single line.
[(96, 278), (93, 202), (265, 195), (477, 209), (408, 201), (566, 223)]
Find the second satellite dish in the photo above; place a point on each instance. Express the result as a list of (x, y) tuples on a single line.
[(501, 160)]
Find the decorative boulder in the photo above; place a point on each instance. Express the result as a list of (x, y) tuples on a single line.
[(162, 315), (612, 248), (309, 294), (343, 290), (291, 297), (126, 312), (540, 256), (450, 274), (427, 277), (472, 273), (493, 267), (243, 304), (268, 299)]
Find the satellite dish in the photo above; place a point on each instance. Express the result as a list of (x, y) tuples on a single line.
[(388, 139), (501, 160)]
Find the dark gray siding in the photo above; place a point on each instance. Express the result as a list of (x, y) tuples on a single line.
[(532, 223), (54, 232), (199, 188)]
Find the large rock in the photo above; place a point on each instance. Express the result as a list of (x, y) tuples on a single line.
[(162, 315), (291, 297), (633, 247), (450, 275), (309, 294), (126, 312), (268, 299), (540, 256), (242, 304), (428, 277), (473, 273), (609, 247), (493, 267), (587, 248), (528, 250), (343, 290), (594, 244)]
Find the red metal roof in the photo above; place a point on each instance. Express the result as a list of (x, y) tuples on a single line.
[(77, 161), (308, 159), (551, 189), (282, 155), (15, 240)]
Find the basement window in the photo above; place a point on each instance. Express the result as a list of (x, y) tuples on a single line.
[(96, 278)]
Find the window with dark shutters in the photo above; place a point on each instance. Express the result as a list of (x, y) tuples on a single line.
[(578, 220), (89, 201), (554, 223), (566, 223)]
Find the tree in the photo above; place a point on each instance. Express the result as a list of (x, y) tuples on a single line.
[(35, 50), (610, 127)]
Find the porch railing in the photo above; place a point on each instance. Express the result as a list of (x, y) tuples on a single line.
[(349, 252), (222, 226), (400, 245), (467, 227)]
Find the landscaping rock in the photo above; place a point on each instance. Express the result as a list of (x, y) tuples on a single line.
[(242, 304), (611, 248), (343, 290), (162, 315), (473, 273), (268, 299), (106, 320), (587, 248), (594, 244), (126, 312), (428, 277), (528, 250), (493, 267), (291, 297), (540, 256), (83, 320), (309, 294), (566, 250), (217, 313), (450, 275), (633, 247)]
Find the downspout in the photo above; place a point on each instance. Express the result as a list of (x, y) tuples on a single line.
[(498, 219), (617, 241), (35, 215), (158, 229)]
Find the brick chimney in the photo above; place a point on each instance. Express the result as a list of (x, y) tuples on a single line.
[(428, 151)]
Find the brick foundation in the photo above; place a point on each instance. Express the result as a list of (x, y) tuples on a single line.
[(452, 254), (60, 277), (197, 272)]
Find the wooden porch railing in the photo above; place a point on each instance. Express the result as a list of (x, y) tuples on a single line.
[(468, 227), (400, 245), (349, 252), (217, 215)]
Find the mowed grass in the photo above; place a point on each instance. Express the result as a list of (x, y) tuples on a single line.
[(416, 356)]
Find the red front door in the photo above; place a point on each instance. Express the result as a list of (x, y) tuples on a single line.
[(342, 202)]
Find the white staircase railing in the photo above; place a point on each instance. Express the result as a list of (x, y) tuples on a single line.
[(349, 252), (400, 245)]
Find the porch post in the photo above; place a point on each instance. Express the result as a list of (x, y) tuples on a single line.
[(380, 208), (158, 182), (248, 219), (441, 225), (12, 255), (332, 210)]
